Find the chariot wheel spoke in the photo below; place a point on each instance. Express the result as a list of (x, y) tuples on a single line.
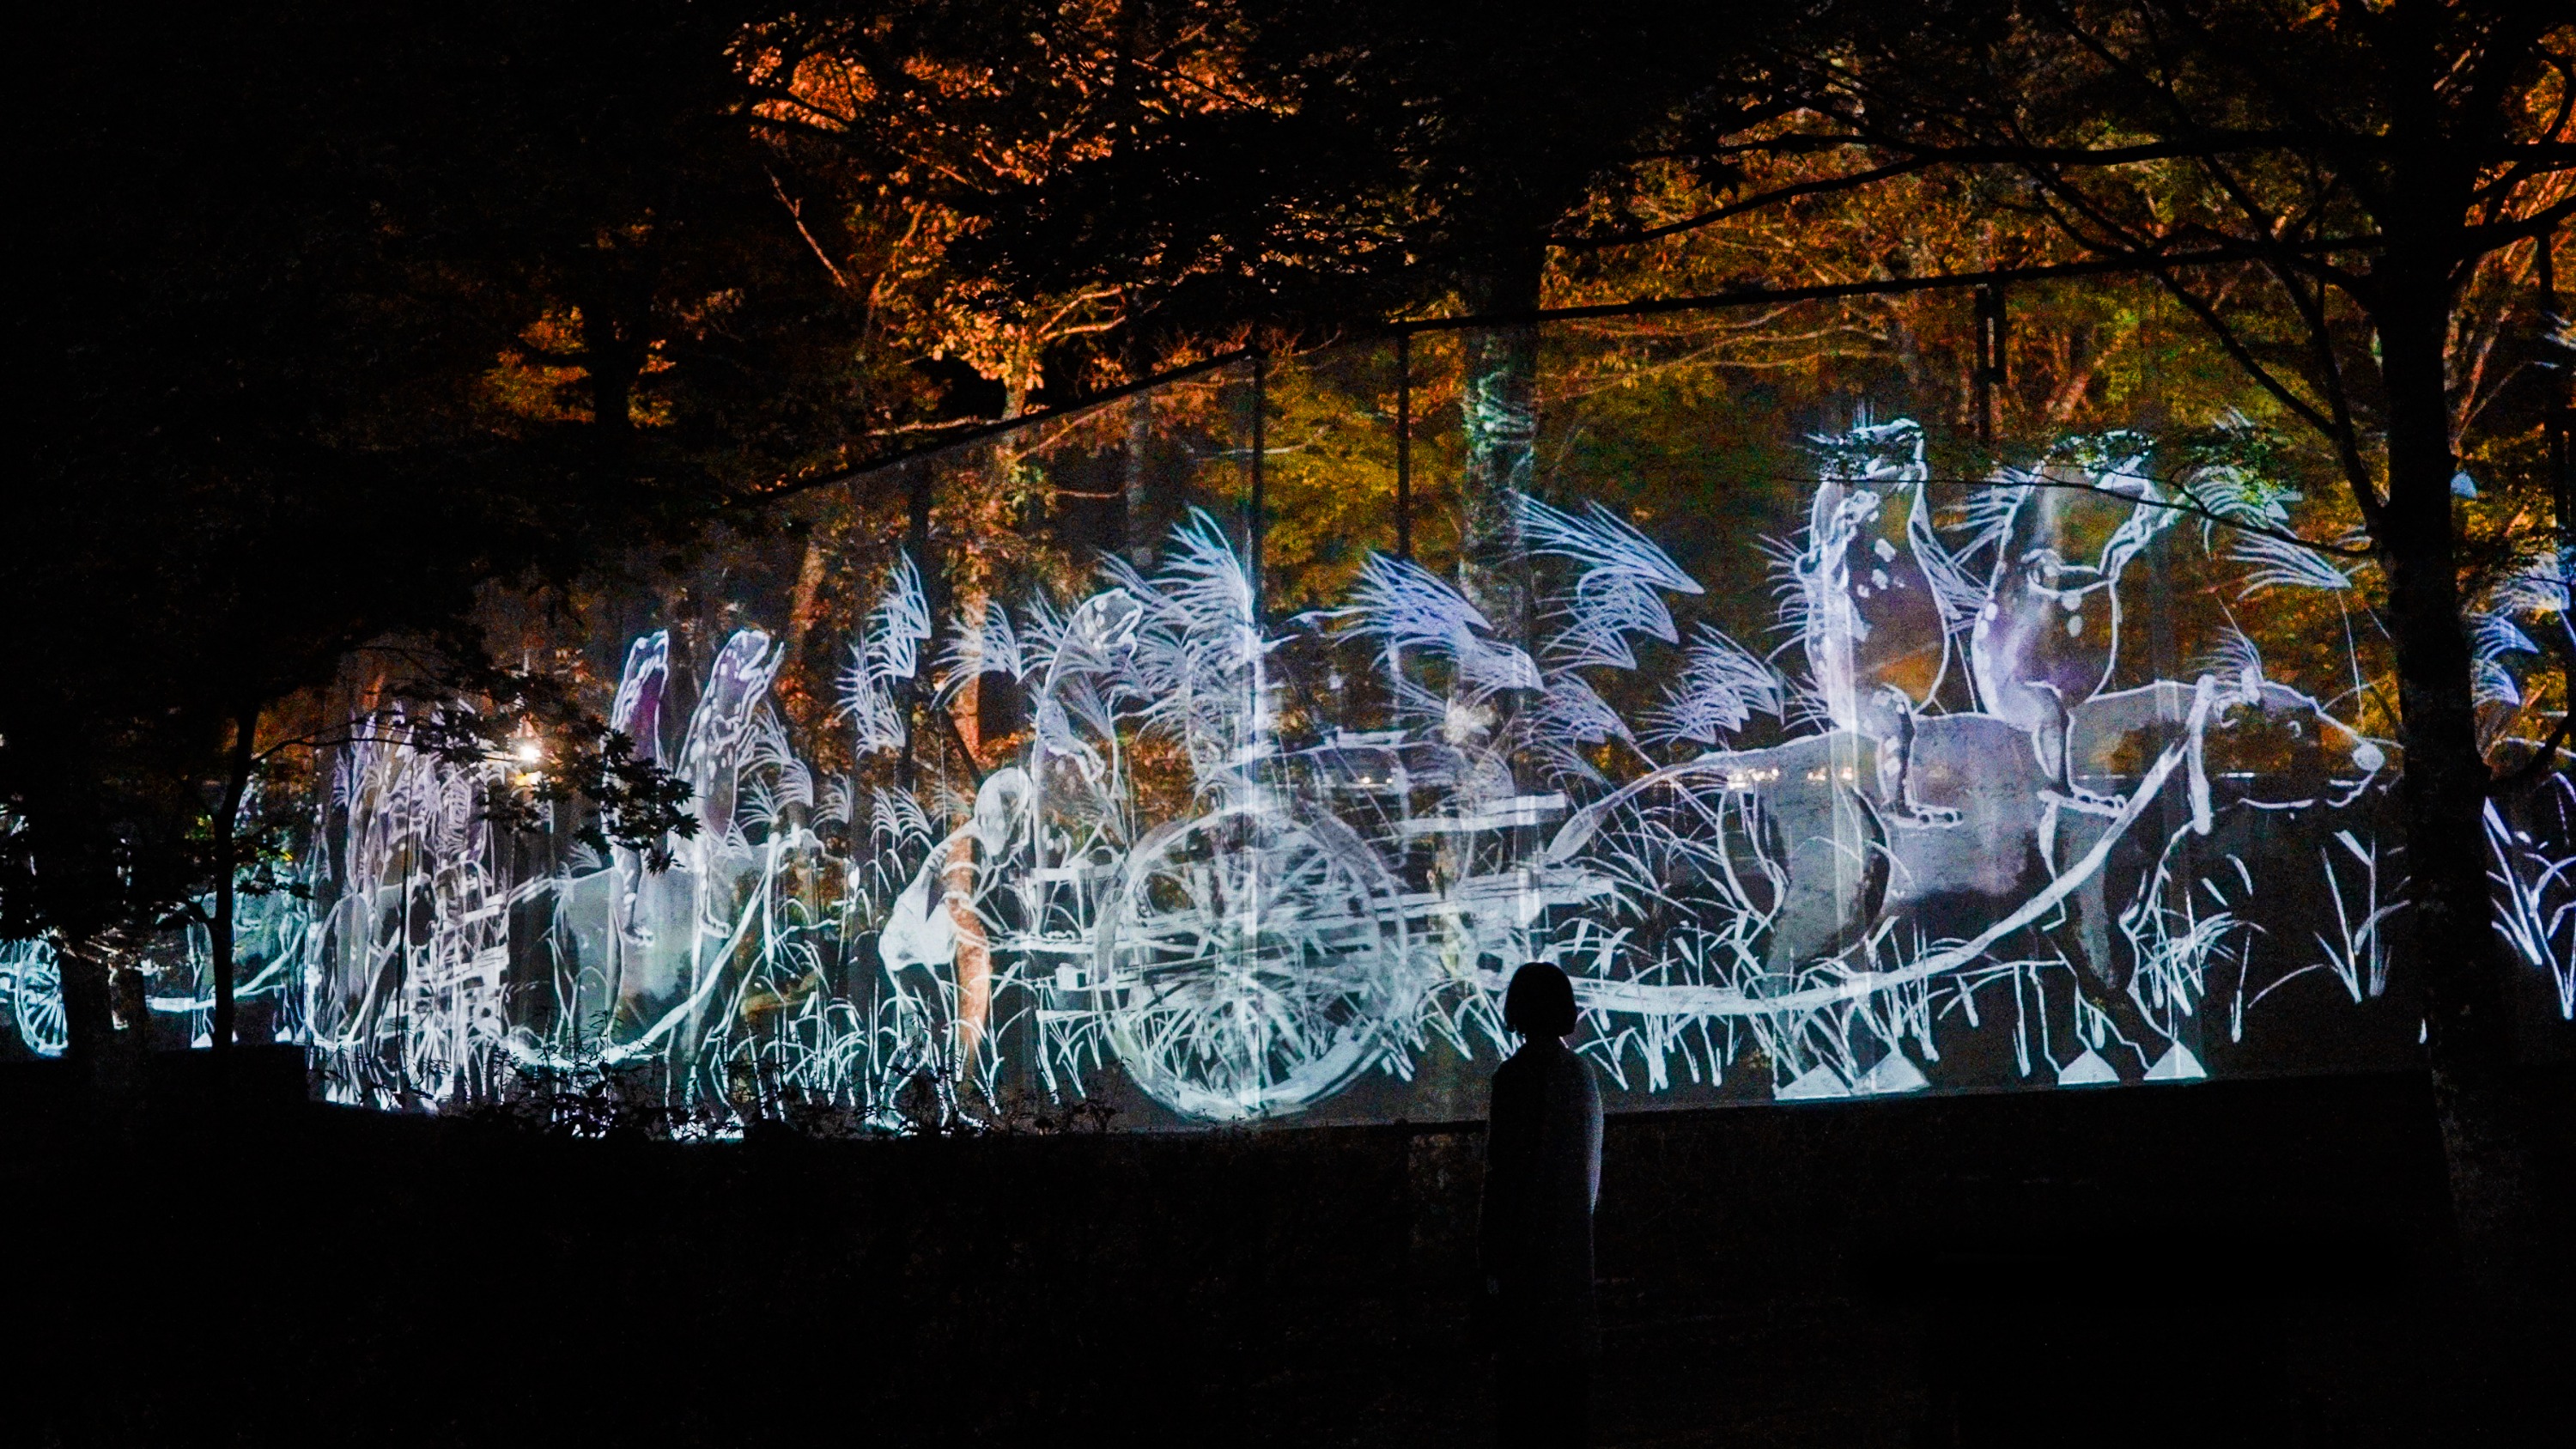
[(1261, 958)]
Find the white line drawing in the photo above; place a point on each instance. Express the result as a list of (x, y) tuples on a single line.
[(1240, 865)]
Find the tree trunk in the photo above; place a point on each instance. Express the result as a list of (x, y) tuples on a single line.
[(1498, 408), (227, 837), (106, 1062), (2442, 794), (87, 1018), (936, 600), (612, 361), (1138, 522)]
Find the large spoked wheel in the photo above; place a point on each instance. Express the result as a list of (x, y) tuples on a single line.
[(36, 998), (1253, 964)]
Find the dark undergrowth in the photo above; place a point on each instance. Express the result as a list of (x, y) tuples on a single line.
[(2255, 1263)]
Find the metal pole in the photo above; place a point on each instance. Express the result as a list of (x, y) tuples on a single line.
[(2562, 470), (1252, 525), (1404, 445), (1989, 357), (2560, 419)]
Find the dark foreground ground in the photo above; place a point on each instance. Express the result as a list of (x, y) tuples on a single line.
[(2247, 1263)]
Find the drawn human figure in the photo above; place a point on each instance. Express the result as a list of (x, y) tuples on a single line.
[(1542, 1179)]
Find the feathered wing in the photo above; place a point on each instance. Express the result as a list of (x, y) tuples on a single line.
[(1567, 714), (1721, 687), (1414, 611), (1192, 651), (2278, 563), (1619, 591), (2537, 593), (980, 646), (901, 623), (886, 653), (2492, 636)]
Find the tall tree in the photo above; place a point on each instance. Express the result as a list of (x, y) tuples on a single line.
[(346, 316), (1334, 163), (2379, 163)]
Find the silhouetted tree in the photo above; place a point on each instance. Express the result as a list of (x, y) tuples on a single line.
[(345, 316), (2381, 165)]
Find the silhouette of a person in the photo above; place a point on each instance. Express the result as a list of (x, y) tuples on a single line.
[(1542, 1178)]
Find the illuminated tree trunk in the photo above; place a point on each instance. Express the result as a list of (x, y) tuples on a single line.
[(804, 604), (1498, 408), (973, 961), (227, 832), (1138, 530)]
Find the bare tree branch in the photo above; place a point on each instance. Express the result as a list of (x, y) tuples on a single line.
[(1739, 208)]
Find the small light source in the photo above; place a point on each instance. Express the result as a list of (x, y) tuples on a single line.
[(528, 752)]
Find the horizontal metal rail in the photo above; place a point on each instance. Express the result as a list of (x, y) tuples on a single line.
[(1754, 296)]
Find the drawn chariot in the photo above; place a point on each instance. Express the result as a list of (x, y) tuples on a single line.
[(1331, 906), (32, 982)]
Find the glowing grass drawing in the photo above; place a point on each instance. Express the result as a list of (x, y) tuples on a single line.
[(1954, 815)]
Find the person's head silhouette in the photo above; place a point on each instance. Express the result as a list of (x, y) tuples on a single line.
[(1540, 1002)]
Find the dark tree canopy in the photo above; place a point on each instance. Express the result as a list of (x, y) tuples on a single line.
[(1366, 160), (344, 315)]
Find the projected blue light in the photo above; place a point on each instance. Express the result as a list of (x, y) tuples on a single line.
[(1963, 808)]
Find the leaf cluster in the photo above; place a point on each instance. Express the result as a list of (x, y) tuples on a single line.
[(555, 752)]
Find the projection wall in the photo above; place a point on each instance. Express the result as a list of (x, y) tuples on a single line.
[(1235, 740)]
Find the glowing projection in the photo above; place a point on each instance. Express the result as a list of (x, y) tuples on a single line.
[(32, 981), (177, 982), (1966, 813)]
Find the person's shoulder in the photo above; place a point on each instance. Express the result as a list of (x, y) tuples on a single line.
[(1590, 1079), (1567, 1065)]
